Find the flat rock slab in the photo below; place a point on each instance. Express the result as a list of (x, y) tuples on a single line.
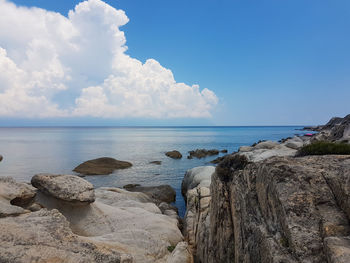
[(164, 193), (174, 154), (101, 166), (45, 236), (69, 188)]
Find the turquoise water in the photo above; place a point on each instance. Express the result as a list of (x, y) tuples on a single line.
[(28, 151)]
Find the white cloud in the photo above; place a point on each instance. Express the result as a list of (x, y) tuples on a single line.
[(56, 66)]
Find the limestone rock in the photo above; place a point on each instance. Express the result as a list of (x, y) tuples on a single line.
[(14, 197), (45, 236), (294, 143), (68, 188), (163, 193), (174, 154), (101, 166)]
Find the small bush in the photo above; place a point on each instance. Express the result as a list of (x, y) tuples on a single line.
[(229, 164), (324, 148), (171, 248)]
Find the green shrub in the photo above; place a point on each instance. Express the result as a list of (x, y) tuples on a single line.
[(324, 148), (171, 248), (230, 164)]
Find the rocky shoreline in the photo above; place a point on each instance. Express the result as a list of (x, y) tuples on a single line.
[(260, 204), (263, 204)]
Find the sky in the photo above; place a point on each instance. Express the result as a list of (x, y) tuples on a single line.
[(154, 62)]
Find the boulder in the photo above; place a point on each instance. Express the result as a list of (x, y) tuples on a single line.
[(163, 193), (68, 188), (14, 197), (202, 153), (198, 176), (294, 143), (101, 166), (174, 154), (45, 236)]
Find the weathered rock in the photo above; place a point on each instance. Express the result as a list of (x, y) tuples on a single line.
[(101, 166), (217, 160), (224, 151), (294, 143), (122, 220), (68, 188), (266, 150), (195, 188), (181, 254), (174, 154), (156, 162), (14, 197), (202, 153), (281, 209), (45, 236), (163, 193), (198, 176)]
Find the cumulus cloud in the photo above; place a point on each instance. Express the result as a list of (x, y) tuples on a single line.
[(57, 66)]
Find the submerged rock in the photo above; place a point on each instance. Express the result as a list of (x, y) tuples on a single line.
[(164, 193), (68, 188), (202, 153), (174, 154), (101, 166), (15, 197), (156, 162)]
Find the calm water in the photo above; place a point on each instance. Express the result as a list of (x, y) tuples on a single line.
[(28, 151)]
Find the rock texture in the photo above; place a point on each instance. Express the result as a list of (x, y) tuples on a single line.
[(163, 193), (68, 188), (281, 209), (101, 166), (202, 153), (15, 198), (195, 188), (174, 154), (45, 236)]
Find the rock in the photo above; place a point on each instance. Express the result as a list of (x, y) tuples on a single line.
[(14, 197), (101, 166), (294, 143), (123, 221), (266, 145), (198, 176), (202, 153), (174, 154), (156, 162), (337, 249), (217, 160), (246, 148), (261, 153), (1, 157), (68, 188), (224, 151), (164, 193), (45, 236), (281, 209), (181, 254)]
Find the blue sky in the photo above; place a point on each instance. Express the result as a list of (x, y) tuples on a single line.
[(268, 62)]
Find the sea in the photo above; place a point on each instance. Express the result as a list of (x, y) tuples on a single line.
[(58, 150)]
